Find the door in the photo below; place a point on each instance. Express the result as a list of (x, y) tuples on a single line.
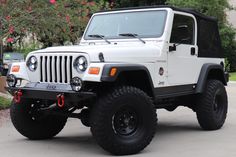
[(182, 55)]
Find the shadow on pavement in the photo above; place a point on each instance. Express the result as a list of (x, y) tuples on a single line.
[(169, 128), (85, 144)]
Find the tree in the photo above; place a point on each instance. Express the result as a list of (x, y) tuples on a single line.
[(229, 46), (217, 9), (49, 21)]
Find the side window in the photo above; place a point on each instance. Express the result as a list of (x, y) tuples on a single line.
[(182, 30), (209, 44)]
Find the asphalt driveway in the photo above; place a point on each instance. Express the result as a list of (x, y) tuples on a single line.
[(178, 135)]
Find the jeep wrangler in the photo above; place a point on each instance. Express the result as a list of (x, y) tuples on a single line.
[(129, 63)]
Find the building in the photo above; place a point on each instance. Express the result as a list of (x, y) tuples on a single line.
[(232, 14)]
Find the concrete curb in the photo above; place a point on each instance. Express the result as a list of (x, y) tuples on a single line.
[(232, 81)]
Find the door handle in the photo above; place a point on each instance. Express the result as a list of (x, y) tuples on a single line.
[(193, 51)]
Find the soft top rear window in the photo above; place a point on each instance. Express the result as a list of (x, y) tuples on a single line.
[(209, 42)]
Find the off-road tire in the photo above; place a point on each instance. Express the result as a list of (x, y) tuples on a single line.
[(109, 106), (35, 129), (212, 106)]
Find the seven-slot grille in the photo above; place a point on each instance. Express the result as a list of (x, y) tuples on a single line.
[(56, 69)]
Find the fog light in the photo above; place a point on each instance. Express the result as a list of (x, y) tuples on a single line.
[(76, 84), (11, 80)]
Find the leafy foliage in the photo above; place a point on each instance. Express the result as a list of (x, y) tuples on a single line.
[(229, 45), (4, 103), (49, 21), (232, 76)]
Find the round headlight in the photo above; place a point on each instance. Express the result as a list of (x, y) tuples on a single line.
[(76, 84), (32, 63), (81, 64), (11, 80)]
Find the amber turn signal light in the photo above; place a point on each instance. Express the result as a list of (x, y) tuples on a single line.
[(113, 71), (94, 70), (15, 68)]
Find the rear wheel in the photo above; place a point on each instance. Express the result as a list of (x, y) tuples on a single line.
[(212, 106), (124, 121), (33, 125)]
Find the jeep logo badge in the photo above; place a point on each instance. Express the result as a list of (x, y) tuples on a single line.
[(52, 87)]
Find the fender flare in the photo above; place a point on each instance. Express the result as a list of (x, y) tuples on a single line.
[(124, 68), (206, 68)]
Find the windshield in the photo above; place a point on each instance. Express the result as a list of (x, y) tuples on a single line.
[(146, 24)]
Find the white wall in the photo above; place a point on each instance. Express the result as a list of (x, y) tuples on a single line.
[(232, 14)]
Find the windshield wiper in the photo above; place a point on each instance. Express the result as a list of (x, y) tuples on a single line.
[(132, 35), (99, 36)]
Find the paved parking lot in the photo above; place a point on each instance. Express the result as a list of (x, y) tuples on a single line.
[(178, 134)]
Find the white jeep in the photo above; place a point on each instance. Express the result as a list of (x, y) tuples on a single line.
[(129, 63)]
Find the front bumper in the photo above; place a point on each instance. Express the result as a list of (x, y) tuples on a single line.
[(34, 93)]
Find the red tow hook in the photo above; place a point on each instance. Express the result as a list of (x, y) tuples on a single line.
[(17, 96), (61, 100)]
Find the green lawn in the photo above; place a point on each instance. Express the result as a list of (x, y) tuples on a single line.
[(4, 103), (232, 76)]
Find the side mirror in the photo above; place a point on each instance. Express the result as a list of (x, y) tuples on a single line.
[(172, 48)]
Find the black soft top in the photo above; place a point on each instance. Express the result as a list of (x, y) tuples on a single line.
[(186, 10)]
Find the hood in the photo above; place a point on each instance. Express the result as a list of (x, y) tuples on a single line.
[(130, 53)]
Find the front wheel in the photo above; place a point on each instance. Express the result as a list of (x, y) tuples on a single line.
[(212, 106), (32, 124), (124, 121)]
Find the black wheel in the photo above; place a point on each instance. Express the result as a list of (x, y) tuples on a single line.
[(32, 124), (124, 121), (212, 106)]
